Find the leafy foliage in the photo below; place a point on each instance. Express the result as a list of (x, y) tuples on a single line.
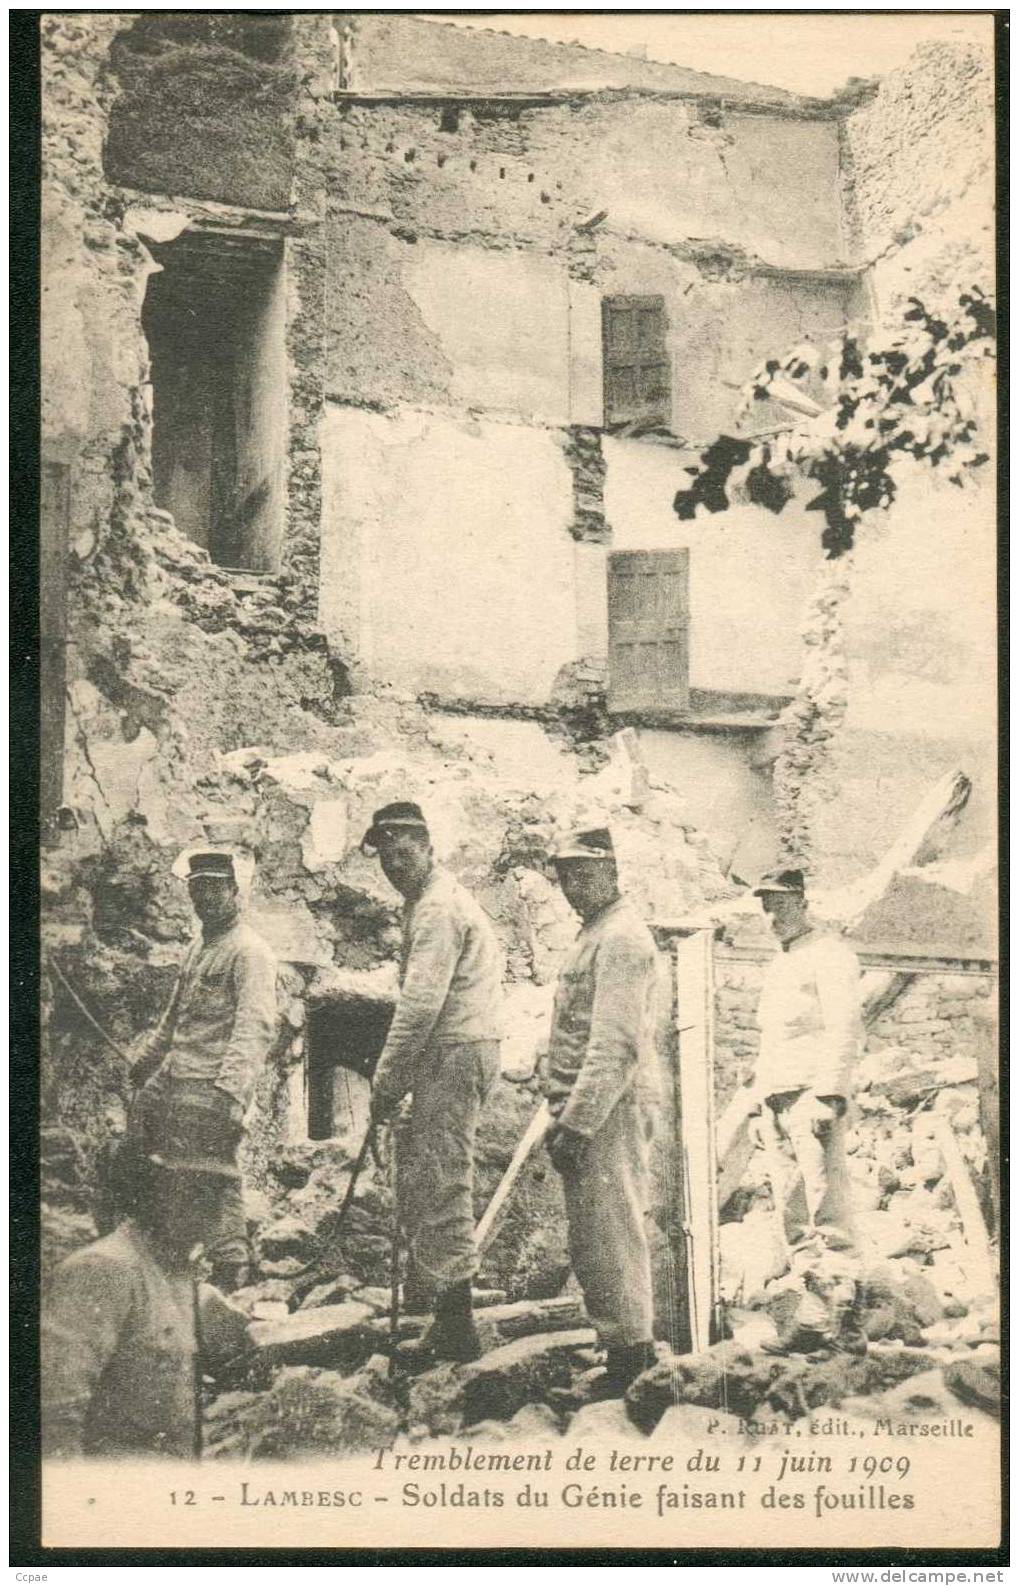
[(860, 408)]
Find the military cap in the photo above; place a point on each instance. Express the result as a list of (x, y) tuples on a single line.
[(218, 862), (593, 843), (400, 816), (781, 881)]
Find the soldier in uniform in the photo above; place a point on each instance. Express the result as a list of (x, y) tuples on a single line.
[(443, 1047), (198, 1069), (599, 1084), (127, 1330), (811, 1034)]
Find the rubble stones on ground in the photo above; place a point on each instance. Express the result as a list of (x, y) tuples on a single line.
[(808, 1383), (335, 1335), (331, 1292), (267, 1290), (497, 1385), (723, 1377), (287, 1237), (747, 1384), (521, 1318), (921, 1400), (976, 1383), (309, 1412)]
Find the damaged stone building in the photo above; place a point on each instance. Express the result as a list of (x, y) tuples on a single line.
[(374, 349)]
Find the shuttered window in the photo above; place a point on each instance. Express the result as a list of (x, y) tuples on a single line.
[(649, 630), (637, 372)]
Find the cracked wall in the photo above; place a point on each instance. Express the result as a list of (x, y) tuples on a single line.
[(461, 291)]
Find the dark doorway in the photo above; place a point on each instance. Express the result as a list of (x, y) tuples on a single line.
[(215, 320), (344, 1043)]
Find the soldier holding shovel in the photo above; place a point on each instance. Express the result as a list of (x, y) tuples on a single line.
[(443, 1048)]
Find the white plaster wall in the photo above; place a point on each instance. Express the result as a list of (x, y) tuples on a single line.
[(447, 564), (919, 622), (765, 183), (726, 793), (751, 573), (502, 321)]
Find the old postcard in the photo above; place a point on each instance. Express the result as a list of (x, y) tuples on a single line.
[(520, 1038)]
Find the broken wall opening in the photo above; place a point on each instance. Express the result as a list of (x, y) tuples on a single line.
[(344, 1040), (215, 320)]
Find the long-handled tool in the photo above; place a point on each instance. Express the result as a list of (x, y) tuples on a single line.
[(313, 1268), (535, 1131), (394, 1272), (83, 1010)]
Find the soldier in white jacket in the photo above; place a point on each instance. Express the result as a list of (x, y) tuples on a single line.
[(811, 1035)]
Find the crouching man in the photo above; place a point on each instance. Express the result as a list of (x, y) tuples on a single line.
[(599, 1079), (443, 1047), (127, 1331), (811, 1034)]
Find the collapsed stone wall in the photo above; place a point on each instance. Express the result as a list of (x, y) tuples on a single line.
[(206, 106), (918, 173)]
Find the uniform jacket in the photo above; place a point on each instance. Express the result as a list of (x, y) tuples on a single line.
[(221, 1018), (123, 1342), (602, 1041), (809, 1013), (450, 982)]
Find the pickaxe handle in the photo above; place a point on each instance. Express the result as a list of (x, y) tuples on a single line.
[(534, 1132)]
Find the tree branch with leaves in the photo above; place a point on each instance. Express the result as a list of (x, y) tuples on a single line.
[(857, 407), (851, 414)]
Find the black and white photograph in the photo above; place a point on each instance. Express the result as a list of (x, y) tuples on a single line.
[(519, 775)]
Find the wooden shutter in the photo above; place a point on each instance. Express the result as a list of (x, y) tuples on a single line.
[(638, 383), (649, 630)]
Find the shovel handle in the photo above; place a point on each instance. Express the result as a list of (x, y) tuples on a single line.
[(394, 1279)]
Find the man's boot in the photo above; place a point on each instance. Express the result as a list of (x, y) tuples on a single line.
[(623, 1365), (451, 1334), (847, 1325)]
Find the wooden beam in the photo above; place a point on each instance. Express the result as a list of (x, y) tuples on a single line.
[(920, 840), (978, 1258), (695, 983)]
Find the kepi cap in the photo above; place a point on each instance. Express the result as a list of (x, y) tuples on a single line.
[(218, 862), (595, 842), (780, 881), (393, 817)]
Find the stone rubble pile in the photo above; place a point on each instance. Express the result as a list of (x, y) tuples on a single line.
[(321, 1381)]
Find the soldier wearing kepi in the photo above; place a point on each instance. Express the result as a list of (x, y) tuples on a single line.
[(205, 1054), (443, 1046), (599, 1081), (127, 1330), (811, 1034)]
